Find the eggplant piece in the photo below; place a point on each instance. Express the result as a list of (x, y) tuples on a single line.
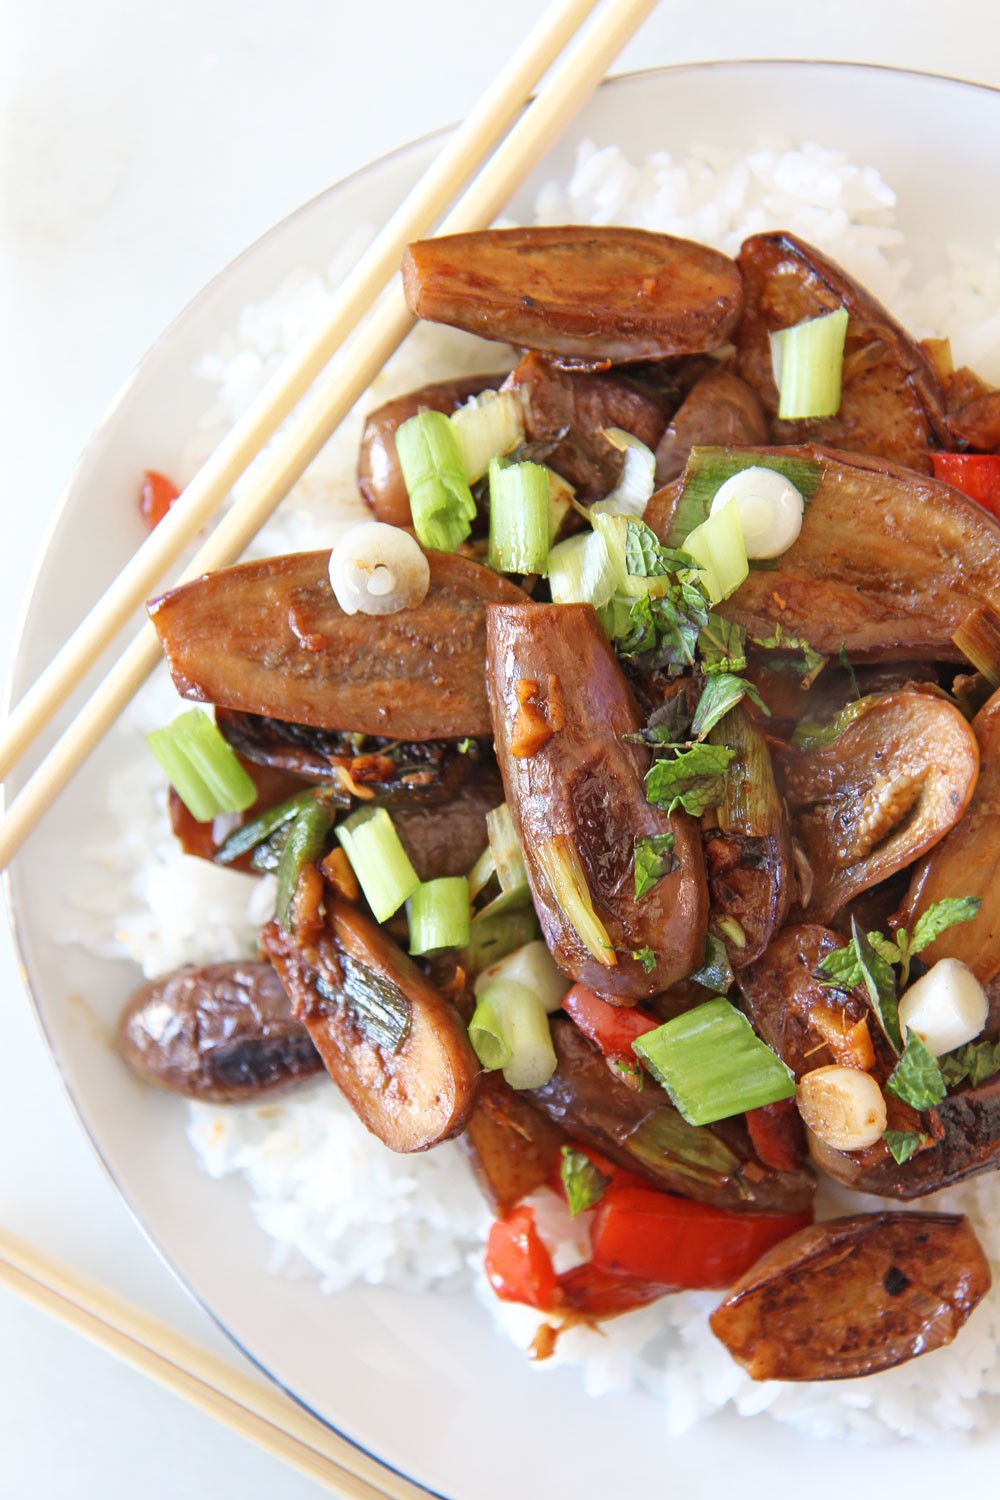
[(889, 787), (888, 564), (721, 411), (891, 404), (583, 785), (976, 423), (222, 1033), (396, 1050), (644, 1133), (748, 855), (599, 295), (565, 411), (380, 478), (269, 638), (447, 838), (853, 1296), (967, 863), (513, 1147)]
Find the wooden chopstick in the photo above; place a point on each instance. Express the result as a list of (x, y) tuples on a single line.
[(416, 216), (348, 375), (239, 1401)]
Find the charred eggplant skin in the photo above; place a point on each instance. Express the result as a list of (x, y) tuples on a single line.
[(600, 295), (223, 1033), (854, 1296), (269, 638), (586, 784), (412, 1097)]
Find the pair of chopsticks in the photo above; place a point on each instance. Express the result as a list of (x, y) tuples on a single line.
[(322, 399), (235, 1399)]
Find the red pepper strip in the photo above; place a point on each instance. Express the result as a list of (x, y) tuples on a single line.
[(612, 1027), (677, 1243), (975, 474), (157, 496), (778, 1135), (591, 1289), (518, 1266)]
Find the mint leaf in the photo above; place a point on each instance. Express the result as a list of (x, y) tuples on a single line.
[(939, 917), (813, 735), (722, 645), (841, 969), (880, 983), (903, 1143), (916, 1078), (886, 949), (653, 858), (716, 973), (721, 693), (812, 662), (646, 957), (644, 557), (976, 1061), (664, 630), (694, 779), (845, 662), (667, 725), (583, 1183)]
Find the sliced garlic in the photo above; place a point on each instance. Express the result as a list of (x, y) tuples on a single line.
[(842, 1106), (770, 510), (946, 1008), (378, 569)]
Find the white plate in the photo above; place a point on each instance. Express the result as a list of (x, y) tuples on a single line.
[(422, 1382)]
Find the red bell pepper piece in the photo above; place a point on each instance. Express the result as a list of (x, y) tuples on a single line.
[(156, 497), (612, 1027), (676, 1243), (778, 1135), (518, 1266), (975, 474)]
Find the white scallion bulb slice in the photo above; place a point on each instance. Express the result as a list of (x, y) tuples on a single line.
[(533, 966), (630, 495), (946, 1008), (843, 1107), (378, 569), (770, 510)]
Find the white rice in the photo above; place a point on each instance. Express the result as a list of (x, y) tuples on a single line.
[(336, 1203)]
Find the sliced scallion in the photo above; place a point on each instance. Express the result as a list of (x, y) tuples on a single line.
[(305, 842), (494, 934), (510, 1019), (713, 1065), (486, 426), (533, 966), (630, 495), (519, 517), (438, 913), (717, 546), (582, 571), (378, 859), (561, 494), (505, 848), (440, 499), (261, 828), (201, 767), (560, 864), (808, 364)]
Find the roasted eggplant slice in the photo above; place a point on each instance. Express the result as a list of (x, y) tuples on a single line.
[(854, 1296), (380, 478), (886, 789), (561, 707), (603, 296), (888, 564), (721, 411), (514, 1148), (269, 638), (396, 1050), (643, 1132), (967, 863), (891, 401), (223, 1032)]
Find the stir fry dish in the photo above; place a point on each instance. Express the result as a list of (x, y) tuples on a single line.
[(630, 790)]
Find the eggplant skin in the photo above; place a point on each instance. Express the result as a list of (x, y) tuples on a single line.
[(269, 638), (854, 1296), (600, 295), (586, 784), (223, 1033)]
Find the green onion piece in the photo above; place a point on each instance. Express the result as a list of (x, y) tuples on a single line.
[(636, 482), (808, 362), (583, 1183), (978, 638), (201, 767), (518, 896), (582, 571), (615, 531), (303, 846), (438, 913), (533, 966), (440, 499), (561, 494), (505, 848), (717, 547), (486, 426), (482, 873), (494, 934), (261, 828), (708, 469), (519, 518), (510, 1018), (560, 864), (379, 860), (713, 1065)]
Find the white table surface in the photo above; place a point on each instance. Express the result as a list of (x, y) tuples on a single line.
[(142, 146)]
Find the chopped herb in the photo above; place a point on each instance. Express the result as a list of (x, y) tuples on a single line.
[(903, 1143), (667, 725), (845, 662), (630, 1073), (722, 645), (464, 746), (841, 969), (716, 973), (976, 1061), (643, 553), (939, 917), (812, 735), (583, 1183), (721, 693), (917, 1078), (664, 630), (654, 858), (812, 662), (646, 957), (861, 962), (694, 779)]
